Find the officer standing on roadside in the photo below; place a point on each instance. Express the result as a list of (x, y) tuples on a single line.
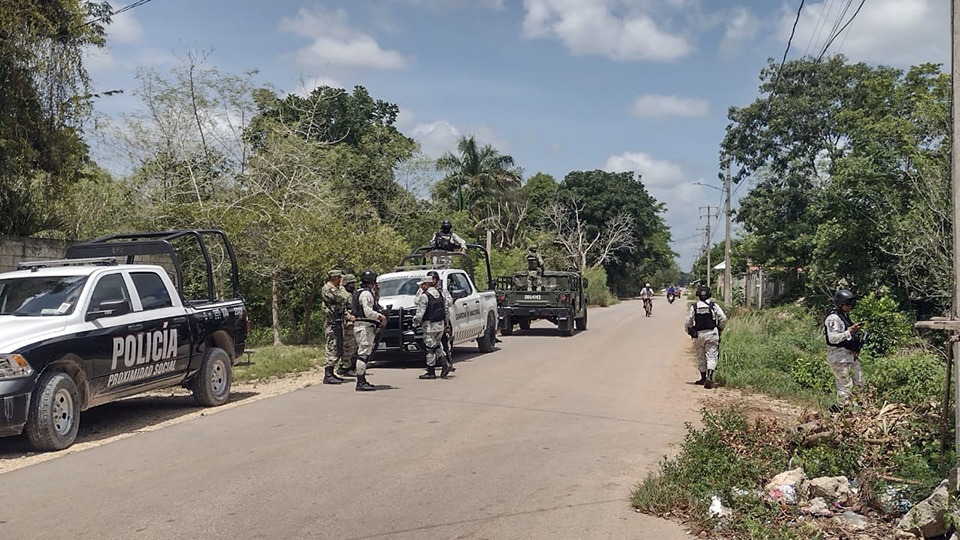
[(431, 317), (534, 269), (368, 320), (844, 342), (335, 311), (704, 322), (348, 362)]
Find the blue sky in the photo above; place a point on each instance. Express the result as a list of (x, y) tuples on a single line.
[(561, 85)]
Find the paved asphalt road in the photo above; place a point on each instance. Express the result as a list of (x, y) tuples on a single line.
[(543, 438)]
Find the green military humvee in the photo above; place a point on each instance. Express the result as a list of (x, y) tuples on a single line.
[(561, 300)]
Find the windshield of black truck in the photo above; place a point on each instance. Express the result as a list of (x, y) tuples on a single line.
[(40, 296)]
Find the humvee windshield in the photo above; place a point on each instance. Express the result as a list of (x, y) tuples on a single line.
[(550, 283)]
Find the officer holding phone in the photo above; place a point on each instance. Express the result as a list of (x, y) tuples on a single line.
[(844, 342)]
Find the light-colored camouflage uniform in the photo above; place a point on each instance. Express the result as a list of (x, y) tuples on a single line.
[(432, 330), (364, 331)]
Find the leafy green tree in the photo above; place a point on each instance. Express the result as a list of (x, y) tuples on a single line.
[(44, 99), (476, 176), (845, 158), (604, 195)]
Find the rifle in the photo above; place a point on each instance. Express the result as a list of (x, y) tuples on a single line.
[(337, 324)]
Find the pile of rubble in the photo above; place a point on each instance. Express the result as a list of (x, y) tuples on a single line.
[(832, 504)]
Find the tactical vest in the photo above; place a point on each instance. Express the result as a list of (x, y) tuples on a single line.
[(444, 242), (355, 307), (532, 262), (436, 310), (703, 316), (854, 344)]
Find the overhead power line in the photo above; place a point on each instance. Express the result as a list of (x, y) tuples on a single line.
[(128, 7), (792, 32), (844, 27)]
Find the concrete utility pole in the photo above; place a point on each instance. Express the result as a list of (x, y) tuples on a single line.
[(727, 284), (955, 177), (709, 216)]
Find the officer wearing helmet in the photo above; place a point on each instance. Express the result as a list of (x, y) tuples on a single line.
[(446, 240), (704, 322), (844, 342), (431, 317), (348, 361), (534, 269), (368, 321)]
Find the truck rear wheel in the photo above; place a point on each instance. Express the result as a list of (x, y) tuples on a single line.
[(524, 324), (506, 328), (581, 322), (54, 412), (566, 328), (488, 339), (211, 385)]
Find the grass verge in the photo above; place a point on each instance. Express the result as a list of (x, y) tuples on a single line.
[(271, 361)]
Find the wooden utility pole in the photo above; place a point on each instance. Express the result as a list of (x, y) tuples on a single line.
[(727, 285), (955, 179)]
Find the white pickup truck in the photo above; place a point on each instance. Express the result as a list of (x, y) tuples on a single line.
[(474, 311)]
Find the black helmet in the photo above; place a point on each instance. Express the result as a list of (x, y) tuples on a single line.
[(844, 297), (446, 226), (434, 274), (703, 292), (368, 276)]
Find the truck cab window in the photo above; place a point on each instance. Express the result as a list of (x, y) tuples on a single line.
[(110, 288), (151, 290)]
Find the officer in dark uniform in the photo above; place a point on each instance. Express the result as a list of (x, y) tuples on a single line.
[(368, 321), (704, 322)]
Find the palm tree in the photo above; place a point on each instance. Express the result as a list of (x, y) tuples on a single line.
[(483, 171)]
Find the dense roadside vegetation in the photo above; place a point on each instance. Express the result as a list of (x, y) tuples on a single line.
[(301, 182)]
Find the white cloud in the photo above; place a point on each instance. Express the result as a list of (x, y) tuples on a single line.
[(124, 28), (441, 136), (658, 106), (336, 43), (456, 4), (890, 32), (99, 60), (670, 184), (741, 26), (618, 29)]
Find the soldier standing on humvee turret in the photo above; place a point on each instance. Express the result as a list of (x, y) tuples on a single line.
[(534, 269)]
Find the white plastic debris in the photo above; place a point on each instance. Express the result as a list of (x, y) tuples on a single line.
[(717, 510)]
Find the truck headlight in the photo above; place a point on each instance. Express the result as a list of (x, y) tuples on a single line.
[(13, 366)]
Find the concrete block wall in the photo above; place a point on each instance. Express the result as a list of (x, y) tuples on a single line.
[(14, 249)]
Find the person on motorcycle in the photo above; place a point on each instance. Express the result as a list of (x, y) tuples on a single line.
[(671, 293), (646, 294)]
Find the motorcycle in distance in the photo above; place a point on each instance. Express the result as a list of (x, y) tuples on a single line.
[(671, 295)]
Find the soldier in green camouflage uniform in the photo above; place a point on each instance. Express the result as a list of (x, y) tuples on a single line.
[(335, 310), (348, 362)]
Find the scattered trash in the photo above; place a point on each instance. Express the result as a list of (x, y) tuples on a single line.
[(892, 502), (717, 510), (818, 507), (855, 520), (785, 494)]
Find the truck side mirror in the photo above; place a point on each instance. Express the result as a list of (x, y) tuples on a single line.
[(110, 308), (457, 294)]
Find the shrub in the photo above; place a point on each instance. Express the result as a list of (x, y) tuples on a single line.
[(598, 293), (886, 327), (912, 377)]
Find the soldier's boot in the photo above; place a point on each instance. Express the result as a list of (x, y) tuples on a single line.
[(708, 384), (363, 385), (329, 377), (703, 378), (346, 371), (430, 374), (444, 366)]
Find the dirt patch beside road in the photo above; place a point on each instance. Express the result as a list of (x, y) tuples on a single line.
[(147, 412)]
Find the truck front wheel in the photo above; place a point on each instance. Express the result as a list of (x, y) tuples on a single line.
[(54, 412), (524, 324), (488, 339), (506, 328), (211, 385)]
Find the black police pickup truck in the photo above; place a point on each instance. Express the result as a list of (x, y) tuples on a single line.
[(112, 320)]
